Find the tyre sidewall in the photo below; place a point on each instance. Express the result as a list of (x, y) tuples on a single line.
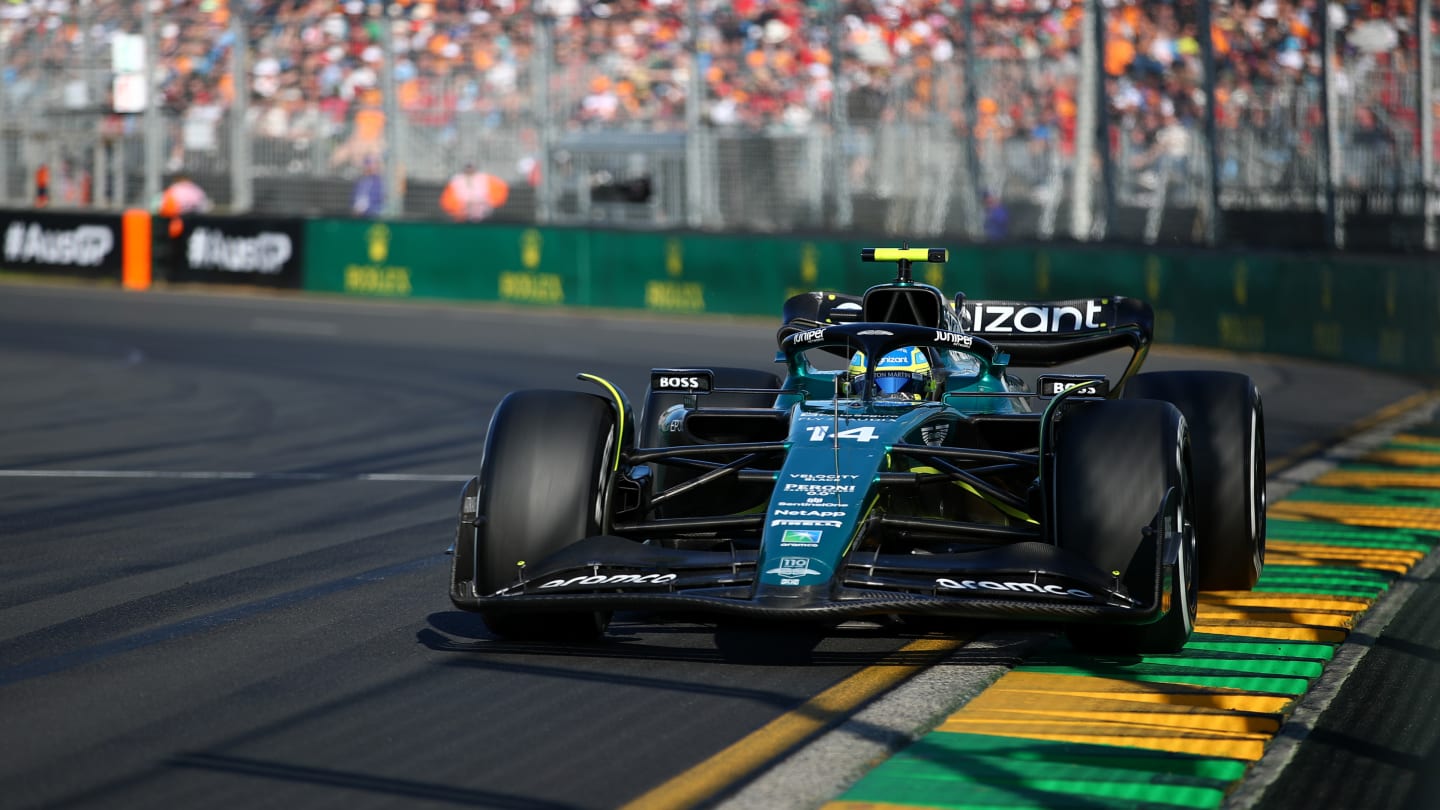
[(548, 457)]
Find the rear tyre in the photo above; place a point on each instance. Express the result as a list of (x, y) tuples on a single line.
[(1227, 429), (1114, 463), (548, 457)]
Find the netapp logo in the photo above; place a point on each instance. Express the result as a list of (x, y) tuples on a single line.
[(1014, 587), (265, 253), (991, 317), (614, 579), (84, 246)]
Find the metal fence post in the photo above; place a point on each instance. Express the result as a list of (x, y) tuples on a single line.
[(694, 98), (975, 205), (242, 191), (4, 132), (1427, 121), (154, 137), (1082, 193), (839, 120), (1329, 137), (1213, 227), (541, 59), (392, 158)]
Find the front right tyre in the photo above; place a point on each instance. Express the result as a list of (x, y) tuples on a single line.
[(548, 458)]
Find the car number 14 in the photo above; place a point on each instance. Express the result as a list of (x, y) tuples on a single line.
[(864, 433)]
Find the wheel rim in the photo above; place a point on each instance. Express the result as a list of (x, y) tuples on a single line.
[(1257, 490)]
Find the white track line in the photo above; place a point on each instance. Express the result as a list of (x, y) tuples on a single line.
[(217, 475)]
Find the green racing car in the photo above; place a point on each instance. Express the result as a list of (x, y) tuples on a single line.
[(898, 467)]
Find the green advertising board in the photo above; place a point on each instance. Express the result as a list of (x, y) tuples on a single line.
[(1376, 311)]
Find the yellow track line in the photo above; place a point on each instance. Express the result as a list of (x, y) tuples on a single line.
[(1390, 411), (762, 747)]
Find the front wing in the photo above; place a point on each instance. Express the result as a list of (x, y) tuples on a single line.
[(1029, 581)]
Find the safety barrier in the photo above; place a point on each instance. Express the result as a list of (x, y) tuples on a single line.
[(1367, 310), (1356, 309)]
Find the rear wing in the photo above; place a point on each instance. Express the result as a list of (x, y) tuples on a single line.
[(1041, 334)]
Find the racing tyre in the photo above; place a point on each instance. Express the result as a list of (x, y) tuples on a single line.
[(1115, 462), (1227, 434), (547, 459)]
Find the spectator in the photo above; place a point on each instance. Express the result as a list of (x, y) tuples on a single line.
[(1168, 159), (42, 185), (182, 197), (368, 199), (473, 195), (997, 218)]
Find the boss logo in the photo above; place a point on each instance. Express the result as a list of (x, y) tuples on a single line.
[(689, 382), (1052, 386)]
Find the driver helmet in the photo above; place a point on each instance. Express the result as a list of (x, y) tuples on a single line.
[(903, 375)]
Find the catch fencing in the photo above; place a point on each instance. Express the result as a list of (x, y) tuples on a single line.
[(1145, 122)]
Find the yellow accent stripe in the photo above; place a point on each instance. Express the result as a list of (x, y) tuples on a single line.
[(1300, 601), (1416, 438), (1169, 694), (1212, 614), (1278, 632), (1179, 718), (1373, 480), (619, 412), (1213, 744), (758, 750), (1317, 551), (906, 254), (1009, 705), (1349, 514), (1386, 413), (1404, 458)]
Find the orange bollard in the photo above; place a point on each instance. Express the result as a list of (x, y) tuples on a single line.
[(136, 267)]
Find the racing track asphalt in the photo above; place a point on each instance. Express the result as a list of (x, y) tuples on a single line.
[(222, 580)]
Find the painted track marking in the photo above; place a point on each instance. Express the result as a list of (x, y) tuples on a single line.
[(227, 475), (760, 748)]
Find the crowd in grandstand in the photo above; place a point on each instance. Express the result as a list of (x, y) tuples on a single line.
[(315, 65)]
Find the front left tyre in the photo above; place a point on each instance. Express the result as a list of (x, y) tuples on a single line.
[(1122, 470)]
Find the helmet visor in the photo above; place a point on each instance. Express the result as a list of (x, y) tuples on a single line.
[(899, 384)]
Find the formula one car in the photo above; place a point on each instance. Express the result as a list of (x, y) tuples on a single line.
[(901, 468)]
